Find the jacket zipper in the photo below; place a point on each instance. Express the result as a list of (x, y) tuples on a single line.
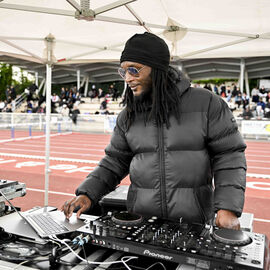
[(162, 173)]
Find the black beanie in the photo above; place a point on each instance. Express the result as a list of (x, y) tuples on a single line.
[(147, 49)]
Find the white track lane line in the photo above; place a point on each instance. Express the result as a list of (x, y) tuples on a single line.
[(255, 160), (51, 158), (51, 152), (68, 148), (34, 137), (248, 155), (261, 220), (256, 175), (257, 151), (51, 192), (261, 168)]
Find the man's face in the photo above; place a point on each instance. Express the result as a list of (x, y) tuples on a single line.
[(140, 83)]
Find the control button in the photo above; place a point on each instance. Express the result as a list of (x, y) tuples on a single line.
[(255, 262)]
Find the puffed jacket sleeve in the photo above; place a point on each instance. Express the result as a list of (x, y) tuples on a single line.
[(226, 148), (111, 169)]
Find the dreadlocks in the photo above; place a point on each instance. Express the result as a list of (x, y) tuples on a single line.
[(158, 104)]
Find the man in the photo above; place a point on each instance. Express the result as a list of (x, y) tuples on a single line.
[(172, 139)]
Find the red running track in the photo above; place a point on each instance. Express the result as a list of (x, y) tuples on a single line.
[(73, 156)]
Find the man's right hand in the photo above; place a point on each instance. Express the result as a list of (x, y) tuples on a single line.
[(81, 201)]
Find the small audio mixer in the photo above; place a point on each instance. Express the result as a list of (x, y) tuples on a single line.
[(203, 246)]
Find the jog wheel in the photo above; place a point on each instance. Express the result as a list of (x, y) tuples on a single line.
[(231, 237), (126, 218)]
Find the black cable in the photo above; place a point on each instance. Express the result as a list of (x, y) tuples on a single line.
[(84, 253)]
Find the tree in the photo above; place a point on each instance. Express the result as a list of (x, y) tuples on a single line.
[(23, 84), (5, 79)]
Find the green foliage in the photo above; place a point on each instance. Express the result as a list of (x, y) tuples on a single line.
[(216, 81), (23, 84), (5, 79), (253, 83)]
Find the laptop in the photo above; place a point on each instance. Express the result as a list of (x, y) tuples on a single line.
[(47, 223)]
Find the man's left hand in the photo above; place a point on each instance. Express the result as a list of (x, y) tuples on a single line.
[(227, 219)]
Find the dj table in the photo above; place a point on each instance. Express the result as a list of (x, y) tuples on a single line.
[(117, 239)]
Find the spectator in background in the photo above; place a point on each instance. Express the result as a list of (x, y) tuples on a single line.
[(13, 93), (208, 86), (268, 97), (65, 112), (29, 107), (255, 94), (260, 108), (234, 90), (8, 93), (8, 108), (103, 106), (32, 89), (215, 89), (2, 105), (223, 90), (245, 100), (114, 92), (263, 92), (228, 90), (92, 94), (238, 100), (247, 113), (229, 96), (267, 109), (261, 103), (55, 98), (101, 93), (74, 114)]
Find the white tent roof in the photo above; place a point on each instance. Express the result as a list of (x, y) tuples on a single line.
[(213, 28)]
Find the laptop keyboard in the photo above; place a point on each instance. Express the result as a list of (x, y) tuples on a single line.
[(47, 224)]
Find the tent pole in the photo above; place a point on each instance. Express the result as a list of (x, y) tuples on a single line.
[(247, 84), (86, 86), (36, 78), (78, 79), (242, 71), (44, 88), (49, 40), (48, 113)]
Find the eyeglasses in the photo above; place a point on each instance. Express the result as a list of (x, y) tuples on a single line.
[(131, 71)]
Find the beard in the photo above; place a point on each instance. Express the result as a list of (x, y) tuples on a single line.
[(143, 102)]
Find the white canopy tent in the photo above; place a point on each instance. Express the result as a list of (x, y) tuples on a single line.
[(192, 28)]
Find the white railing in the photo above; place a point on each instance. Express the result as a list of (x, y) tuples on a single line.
[(258, 129), (19, 100)]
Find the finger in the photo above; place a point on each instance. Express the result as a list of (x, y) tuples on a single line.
[(67, 207), (72, 206), (62, 207), (83, 208)]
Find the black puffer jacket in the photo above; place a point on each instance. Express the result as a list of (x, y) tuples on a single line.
[(171, 170)]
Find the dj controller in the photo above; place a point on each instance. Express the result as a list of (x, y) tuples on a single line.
[(203, 246)]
